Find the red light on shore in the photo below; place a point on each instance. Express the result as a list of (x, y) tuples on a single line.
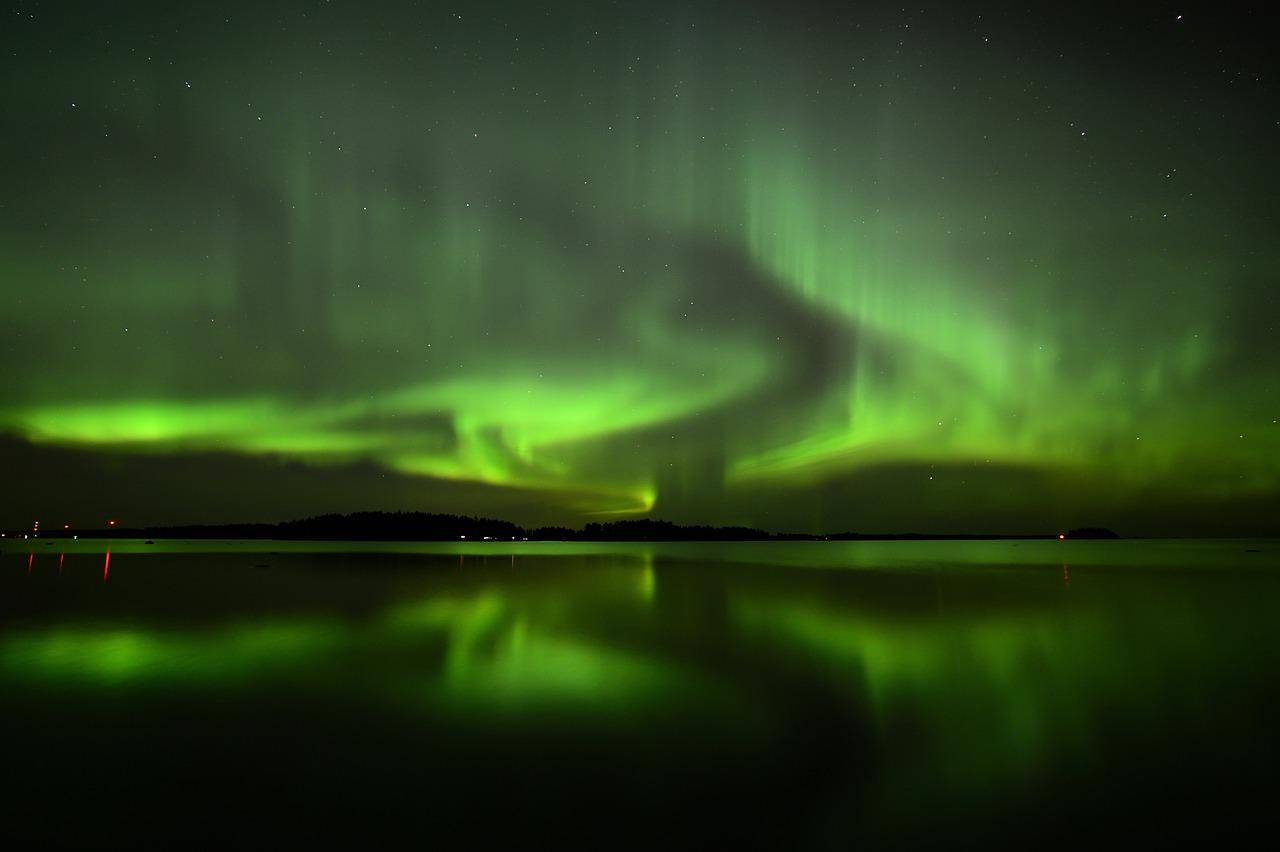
[(66, 526), (111, 523)]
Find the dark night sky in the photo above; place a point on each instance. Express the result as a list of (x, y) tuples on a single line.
[(803, 266)]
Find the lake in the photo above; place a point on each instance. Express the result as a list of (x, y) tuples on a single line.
[(787, 694)]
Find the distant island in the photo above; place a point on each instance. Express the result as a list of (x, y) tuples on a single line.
[(424, 526), (1091, 532)]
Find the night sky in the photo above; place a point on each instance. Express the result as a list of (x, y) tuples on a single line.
[(806, 267)]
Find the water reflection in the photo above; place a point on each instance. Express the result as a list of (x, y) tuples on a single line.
[(838, 702)]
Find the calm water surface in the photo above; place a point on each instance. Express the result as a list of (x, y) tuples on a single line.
[(805, 694)]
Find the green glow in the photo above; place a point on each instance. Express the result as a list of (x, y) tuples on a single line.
[(504, 650), (643, 273), (1007, 661), (1000, 694), (126, 655)]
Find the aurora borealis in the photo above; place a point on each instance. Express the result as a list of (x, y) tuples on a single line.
[(799, 267)]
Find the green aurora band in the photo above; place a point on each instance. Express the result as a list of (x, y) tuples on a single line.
[(817, 273)]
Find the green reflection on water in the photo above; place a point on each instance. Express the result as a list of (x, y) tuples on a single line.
[(502, 647), (117, 655), (868, 681), (508, 650)]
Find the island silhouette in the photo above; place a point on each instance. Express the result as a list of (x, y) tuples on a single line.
[(426, 526)]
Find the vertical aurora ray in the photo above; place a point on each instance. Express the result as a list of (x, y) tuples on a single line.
[(717, 269)]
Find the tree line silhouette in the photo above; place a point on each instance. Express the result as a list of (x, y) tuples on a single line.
[(425, 526)]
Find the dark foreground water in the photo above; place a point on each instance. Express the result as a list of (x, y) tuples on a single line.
[(787, 694)]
